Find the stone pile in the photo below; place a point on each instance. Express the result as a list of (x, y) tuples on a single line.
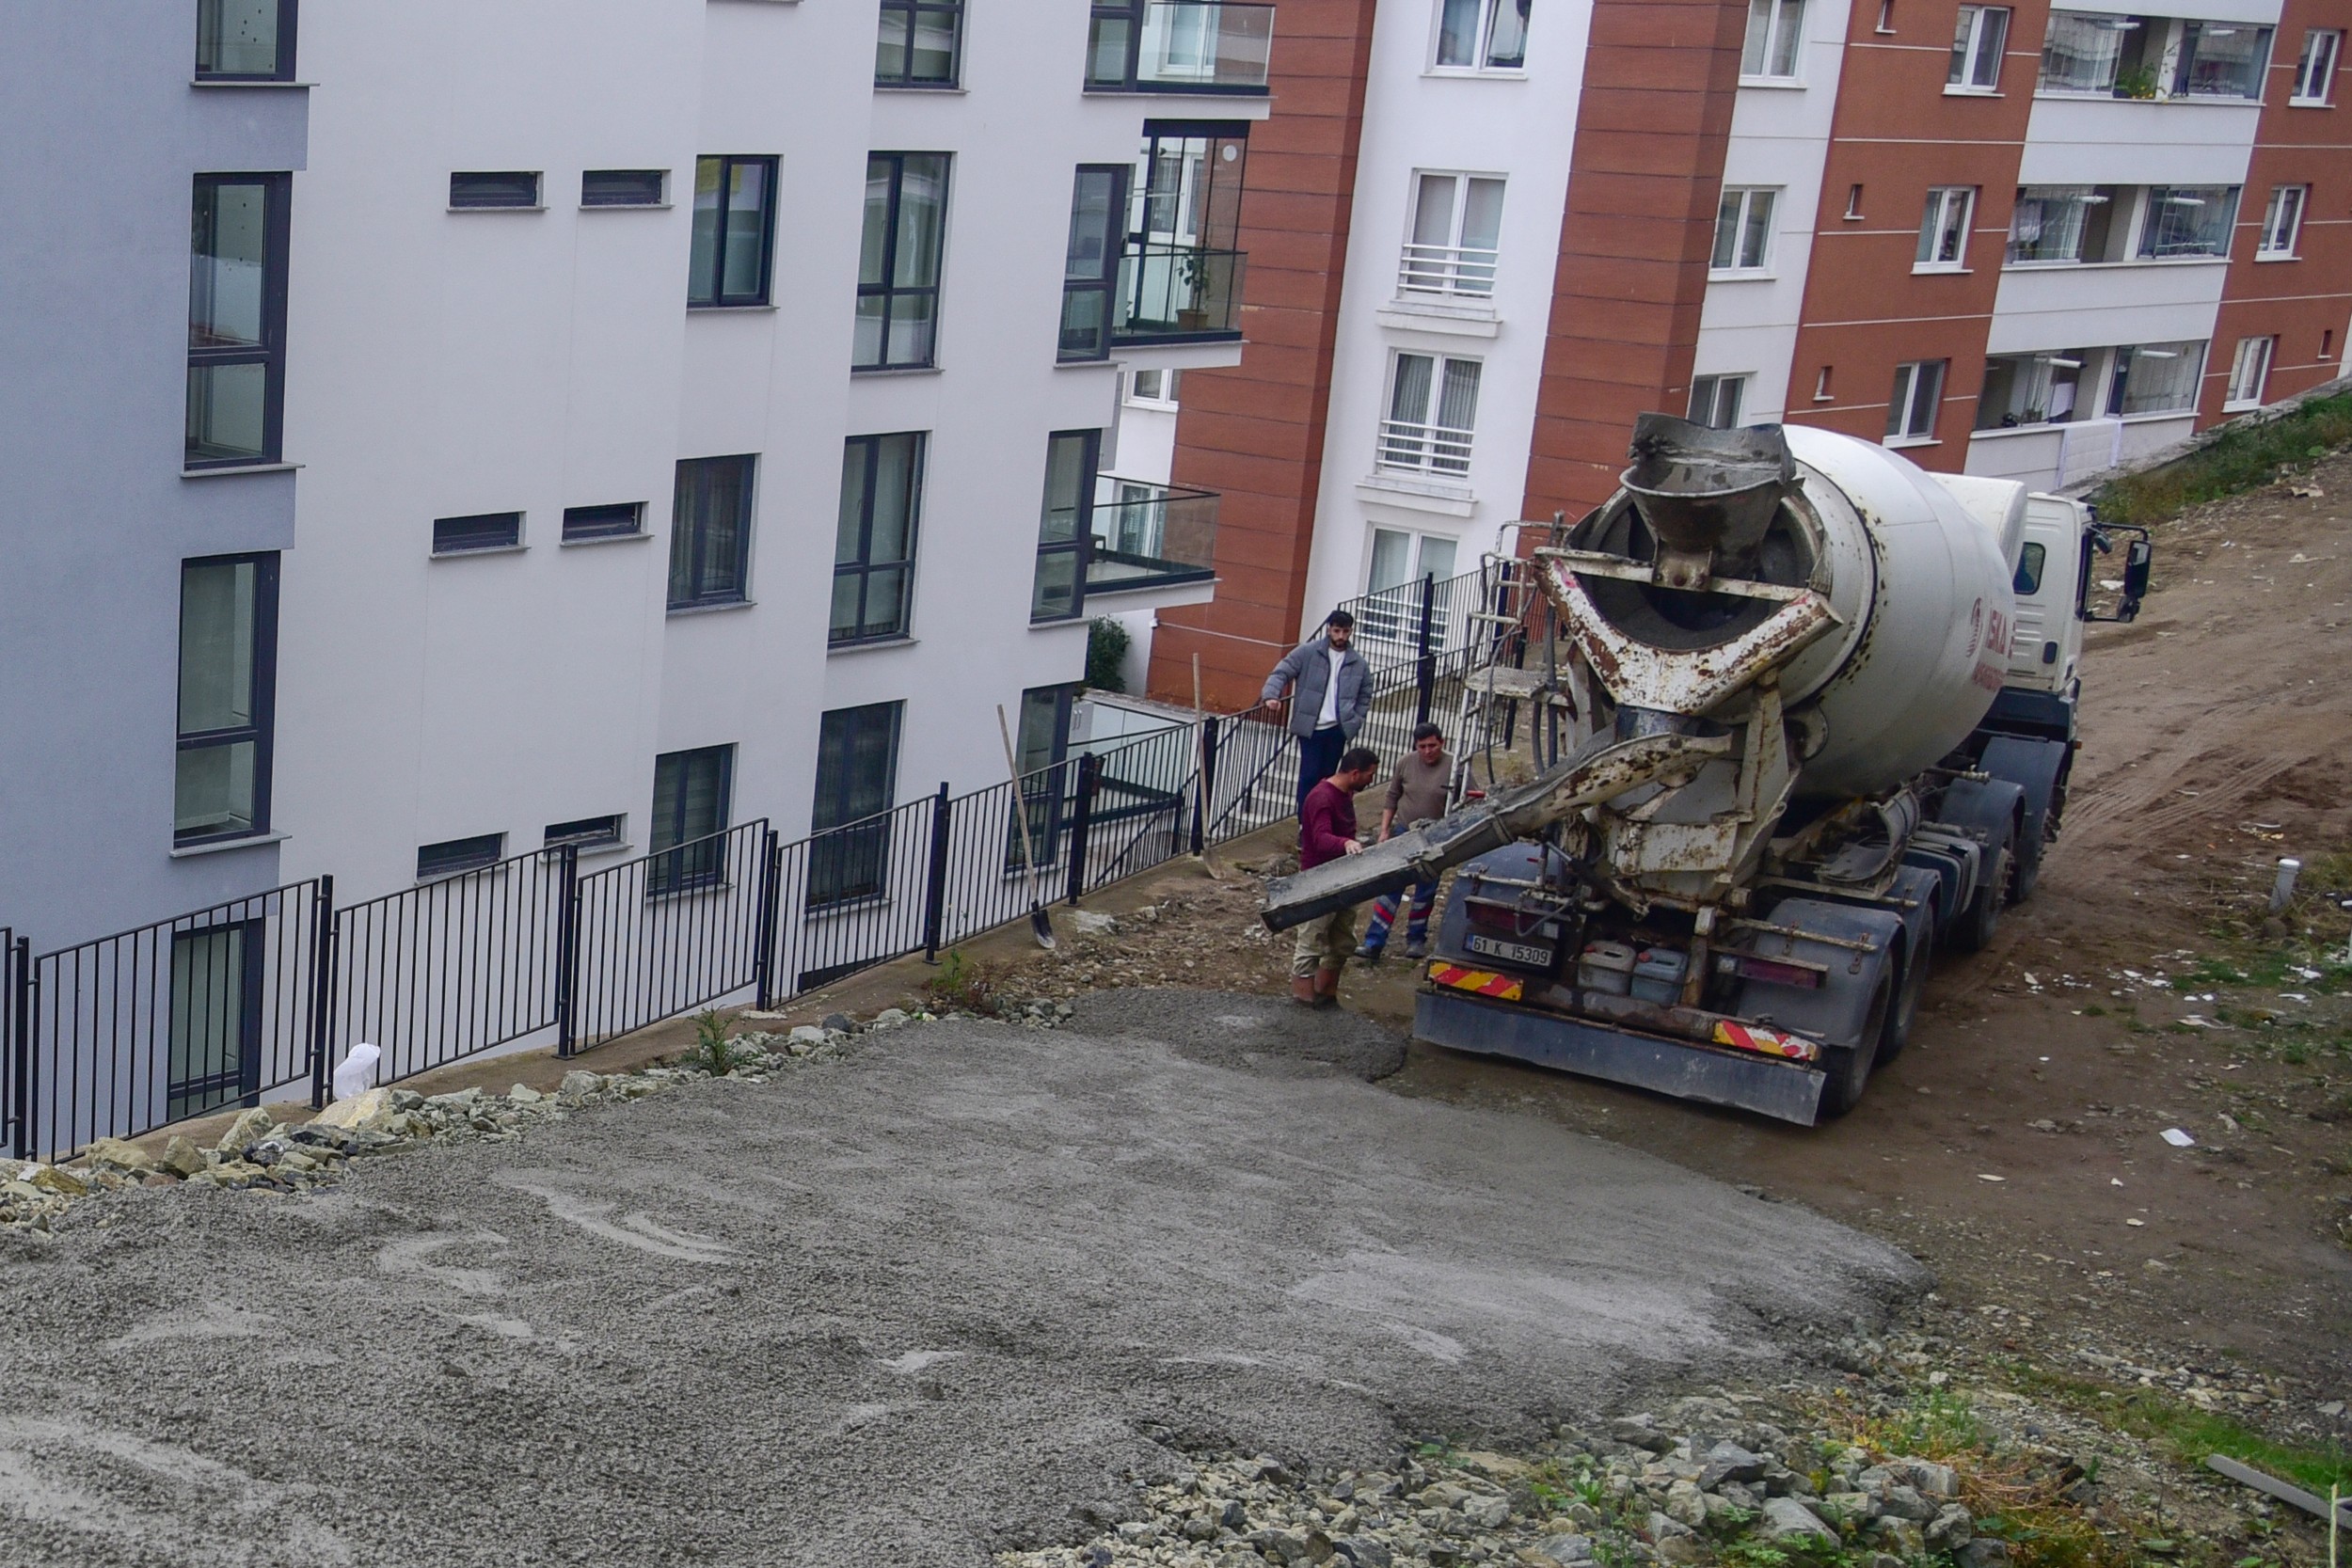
[(1709, 1482), (259, 1153)]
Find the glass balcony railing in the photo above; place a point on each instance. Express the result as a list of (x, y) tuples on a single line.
[(1149, 535), (1177, 291), (1179, 46)]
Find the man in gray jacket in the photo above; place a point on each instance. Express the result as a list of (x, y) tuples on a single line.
[(1330, 692)]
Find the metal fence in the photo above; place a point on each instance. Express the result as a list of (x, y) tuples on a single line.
[(118, 1036)]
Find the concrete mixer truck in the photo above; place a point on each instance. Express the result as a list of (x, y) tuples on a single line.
[(1811, 717)]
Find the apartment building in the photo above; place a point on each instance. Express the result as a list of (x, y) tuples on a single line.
[(2016, 240), (143, 338)]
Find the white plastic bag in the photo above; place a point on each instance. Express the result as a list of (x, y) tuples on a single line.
[(357, 1071)]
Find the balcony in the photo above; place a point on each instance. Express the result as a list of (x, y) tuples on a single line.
[(1455, 271), (1150, 536), (1180, 46), (1431, 448), (1177, 294)]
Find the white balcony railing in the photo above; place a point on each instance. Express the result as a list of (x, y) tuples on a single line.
[(1442, 269), (1424, 448)]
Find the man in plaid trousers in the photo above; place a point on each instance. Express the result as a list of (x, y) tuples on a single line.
[(1416, 795)]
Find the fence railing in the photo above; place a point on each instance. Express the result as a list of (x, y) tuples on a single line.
[(122, 1035), (1445, 269), (1440, 449)]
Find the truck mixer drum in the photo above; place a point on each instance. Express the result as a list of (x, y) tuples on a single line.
[(1708, 496)]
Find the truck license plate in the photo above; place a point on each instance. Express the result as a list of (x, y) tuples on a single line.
[(1526, 955)]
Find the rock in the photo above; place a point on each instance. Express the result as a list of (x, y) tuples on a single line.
[(1090, 923), (1983, 1552), (182, 1157), (121, 1155), (1953, 1527), (1935, 1480), (1686, 1504), (578, 1084), (1566, 1549), (265, 1153), (1857, 1506), (1899, 1536), (372, 1108), (1639, 1431), (49, 1179), (1727, 1461), (459, 1102), (523, 1094), (1486, 1512), (1363, 1551), (1661, 1526), (838, 1023), (889, 1018), (1138, 1532), (1783, 1517), (250, 1125)]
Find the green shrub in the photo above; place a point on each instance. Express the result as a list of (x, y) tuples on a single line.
[(2245, 456), (1107, 654)]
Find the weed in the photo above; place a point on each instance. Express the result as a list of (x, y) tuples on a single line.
[(2245, 456), (2093, 1009), (2189, 1433), (963, 982), (713, 1052)]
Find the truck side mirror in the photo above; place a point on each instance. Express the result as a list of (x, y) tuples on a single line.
[(2138, 562)]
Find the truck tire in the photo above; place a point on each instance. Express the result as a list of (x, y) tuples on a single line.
[(1975, 929), (1849, 1066), (1908, 989)]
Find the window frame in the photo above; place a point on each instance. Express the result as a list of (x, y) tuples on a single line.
[(2269, 245), (1081, 341), (261, 699), (474, 852), (1936, 226), (586, 833), (282, 68), (888, 291), (2300, 96), (1781, 36), (483, 538), (592, 525), (1712, 389), (832, 843), (1969, 50), (1456, 277), (591, 202), (271, 352), (864, 566), (670, 869), (1483, 63), (696, 543), (1437, 458), (2256, 75), (2118, 378), (1740, 224), (906, 81), (2235, 397), (1078, 546), (1903, 405), (487, 197), (716, 263), (2156, 198)]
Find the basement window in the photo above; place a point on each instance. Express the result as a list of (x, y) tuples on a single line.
[(511, 189), (488, 531)]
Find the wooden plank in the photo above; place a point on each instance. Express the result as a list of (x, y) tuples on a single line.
[(2284, 1491)]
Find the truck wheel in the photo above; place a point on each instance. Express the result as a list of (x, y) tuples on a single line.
[(2028, 867), (1974, 930), (1905, 1012), (1850, 1064)]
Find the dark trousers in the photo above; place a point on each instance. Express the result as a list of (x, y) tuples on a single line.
[(1318, 759)]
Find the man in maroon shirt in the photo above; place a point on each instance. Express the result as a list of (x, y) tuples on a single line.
[(1326, 831)]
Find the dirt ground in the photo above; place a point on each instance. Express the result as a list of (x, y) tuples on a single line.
[(2017, 1147)]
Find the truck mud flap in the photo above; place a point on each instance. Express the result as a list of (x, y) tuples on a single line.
[(1778, 1089)]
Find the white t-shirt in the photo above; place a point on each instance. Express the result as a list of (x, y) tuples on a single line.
[(1330, 714)]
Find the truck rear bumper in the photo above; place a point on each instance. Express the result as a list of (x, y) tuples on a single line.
[(1782, 1090)]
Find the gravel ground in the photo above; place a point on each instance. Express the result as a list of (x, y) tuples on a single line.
[(940, 1297)]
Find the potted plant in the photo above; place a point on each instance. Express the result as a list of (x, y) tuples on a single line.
[(2140, 84)]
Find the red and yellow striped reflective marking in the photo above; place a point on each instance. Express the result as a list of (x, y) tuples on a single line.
[(1478, 982), (1766, 1042)]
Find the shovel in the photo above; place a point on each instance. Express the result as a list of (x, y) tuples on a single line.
[(1041, 927)]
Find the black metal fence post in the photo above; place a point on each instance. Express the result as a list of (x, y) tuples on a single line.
[(1206, 799), (935, 887), (323, 954), (21, 1008), (1082, 819), (567, 951), (1425, 670), (770, 910)]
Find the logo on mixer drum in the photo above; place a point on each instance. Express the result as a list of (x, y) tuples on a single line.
[(1975, 626)]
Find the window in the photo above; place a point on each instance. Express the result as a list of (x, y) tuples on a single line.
[(1976, 43), (512, 189), (1481, 34), (1179, 46), (873, 551), (490, 531), (228, 694), (691, 796), (1744, 229), (584, 525), (1944, 230), (2155, 378), (1433, 408), (1042, 742), (236, 320), (1854, 203), (2250, 371), (216, 1003), (589, 832), (857, 784), (1456, 235), (1065, 524), (897, 278), (1775, 33), (1715, 400), (921, 43), (1154, 389), (245, 40), (2282, 221), (2087, 53), (1098, 215), (2061, 223), (1179, 269), (2315, 70), (1390, 611), (1910, 411), (2221, 59), (710, 531), (735, 231), (2187, 220), (624, 187), (456, 856), (2031, 563), (2029, 390)]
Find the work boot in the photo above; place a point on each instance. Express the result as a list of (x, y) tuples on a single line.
[(1369, 953), (1327, 987), (1303, 991), (1416, 947)]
